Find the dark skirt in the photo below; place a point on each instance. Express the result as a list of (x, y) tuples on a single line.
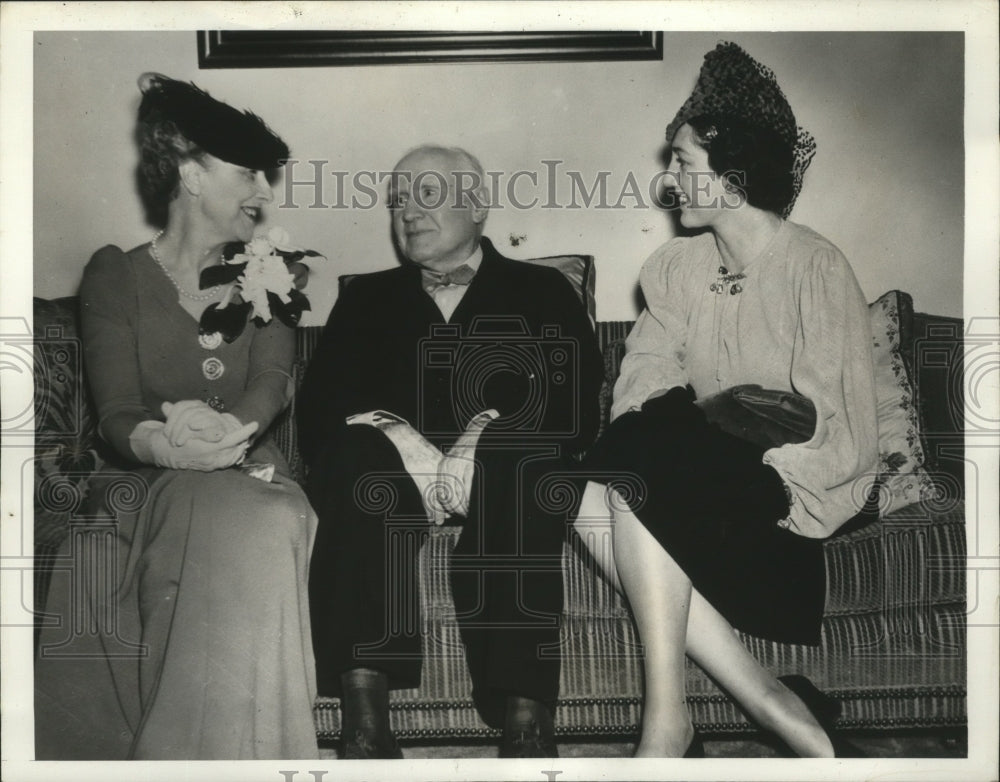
[(714, 506)]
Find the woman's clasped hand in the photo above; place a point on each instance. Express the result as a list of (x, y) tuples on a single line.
[(193, 437)]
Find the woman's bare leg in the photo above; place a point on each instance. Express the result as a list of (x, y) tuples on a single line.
[(659, 594), (593, 525), (711, 642), (715, 646)]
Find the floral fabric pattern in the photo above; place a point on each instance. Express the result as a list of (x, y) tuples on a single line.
[(901, 471)]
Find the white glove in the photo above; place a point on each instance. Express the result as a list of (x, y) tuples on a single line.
[(458, 467), (420, 458), (193, 418), (151, 446), (444, 480)]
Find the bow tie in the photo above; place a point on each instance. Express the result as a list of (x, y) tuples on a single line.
[(433, 280)]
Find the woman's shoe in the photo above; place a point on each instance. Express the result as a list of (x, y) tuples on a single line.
[(825, 711), (696, 749)]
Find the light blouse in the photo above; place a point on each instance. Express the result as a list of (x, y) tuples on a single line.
[(798, 322)]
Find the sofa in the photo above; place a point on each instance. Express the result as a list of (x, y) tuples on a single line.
[(893, 636)]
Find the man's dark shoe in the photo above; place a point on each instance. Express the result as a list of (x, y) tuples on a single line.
[(363, 746), (529, 743)]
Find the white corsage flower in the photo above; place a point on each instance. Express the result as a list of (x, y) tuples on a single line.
[(259, 246), (264, 275), (280, 239), (263, 283)]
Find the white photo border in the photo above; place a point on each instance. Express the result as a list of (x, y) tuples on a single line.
[(977, 19)]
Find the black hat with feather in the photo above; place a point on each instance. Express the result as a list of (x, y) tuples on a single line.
[(238, 137)]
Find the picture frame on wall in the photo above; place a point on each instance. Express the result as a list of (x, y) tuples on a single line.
[(305, 48)]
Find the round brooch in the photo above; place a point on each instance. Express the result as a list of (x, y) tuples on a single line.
[(210, 341), (216, 403), (212, 368)]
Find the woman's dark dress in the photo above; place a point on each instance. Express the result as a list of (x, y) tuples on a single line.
[(205, 583)]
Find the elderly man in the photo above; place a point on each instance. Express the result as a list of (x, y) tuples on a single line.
[(455, 330)]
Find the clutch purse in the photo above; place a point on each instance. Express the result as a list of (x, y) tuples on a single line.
[(762, 416)]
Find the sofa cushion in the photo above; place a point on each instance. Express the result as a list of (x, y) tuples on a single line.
[(901, 452), (579, 270)]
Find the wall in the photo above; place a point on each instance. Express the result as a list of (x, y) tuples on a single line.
[(886, 185)]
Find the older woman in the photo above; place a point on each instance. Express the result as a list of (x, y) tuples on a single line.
[(210, 654), (717, 530)]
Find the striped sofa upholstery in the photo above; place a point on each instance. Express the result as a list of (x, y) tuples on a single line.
[(893, 640)]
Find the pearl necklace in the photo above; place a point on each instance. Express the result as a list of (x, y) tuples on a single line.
[(212, 292)]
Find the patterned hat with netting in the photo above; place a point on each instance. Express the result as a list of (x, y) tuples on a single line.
[(734, 83)]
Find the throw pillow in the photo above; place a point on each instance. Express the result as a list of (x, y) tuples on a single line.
[(901, 455), (579, 270)]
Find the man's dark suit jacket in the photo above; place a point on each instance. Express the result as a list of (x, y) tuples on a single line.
[(543, 377), (375, 354)]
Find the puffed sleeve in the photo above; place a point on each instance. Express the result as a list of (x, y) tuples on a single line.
[(107, 315), (654, 359), (832, 366), (269, 377)]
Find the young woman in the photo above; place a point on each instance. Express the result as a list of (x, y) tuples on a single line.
[(719, 531)]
